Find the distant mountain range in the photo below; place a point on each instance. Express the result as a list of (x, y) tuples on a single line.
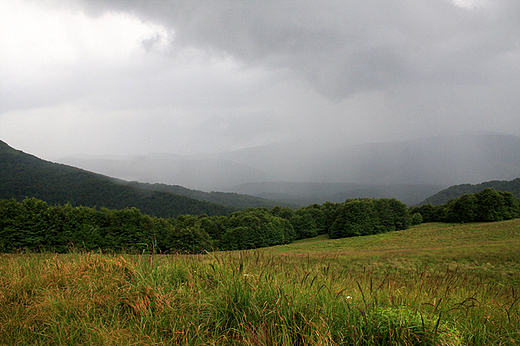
[(309, 193), (23, 175), (414, 172), (408, 170)]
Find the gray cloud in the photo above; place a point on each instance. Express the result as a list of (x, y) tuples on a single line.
[(225, 74), (347, 47)]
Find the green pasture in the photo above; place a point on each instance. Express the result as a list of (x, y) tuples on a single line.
[(432, 284)]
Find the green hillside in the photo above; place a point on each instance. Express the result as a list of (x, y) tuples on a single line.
[(455, 191), (435, 242), (23, 175)]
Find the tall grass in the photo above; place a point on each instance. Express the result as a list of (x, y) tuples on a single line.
[(259, 298)]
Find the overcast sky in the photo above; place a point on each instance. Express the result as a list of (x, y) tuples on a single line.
[(180, 76)]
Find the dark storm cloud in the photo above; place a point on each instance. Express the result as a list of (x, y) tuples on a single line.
[(344, 47)]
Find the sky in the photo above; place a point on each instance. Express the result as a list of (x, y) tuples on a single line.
[(132, 77)]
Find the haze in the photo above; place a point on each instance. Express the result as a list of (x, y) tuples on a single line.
[(134, 77)]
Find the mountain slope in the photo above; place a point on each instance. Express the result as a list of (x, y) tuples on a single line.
[(455, 191), (23, 175)]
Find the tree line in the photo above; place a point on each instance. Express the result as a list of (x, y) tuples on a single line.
[(34, 225), (442, 197), (488, 205)]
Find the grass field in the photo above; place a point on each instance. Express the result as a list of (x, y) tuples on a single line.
[(433, 284)]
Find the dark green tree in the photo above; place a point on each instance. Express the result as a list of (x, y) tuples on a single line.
[(255, 228), (356, 218), (304, 224), (283, 212), (330, 213), (496, 205), (370, 216), (462, 209)]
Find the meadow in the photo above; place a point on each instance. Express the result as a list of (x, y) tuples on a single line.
[(432, 284)]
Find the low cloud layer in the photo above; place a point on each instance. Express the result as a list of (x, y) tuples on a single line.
[(128, 76)]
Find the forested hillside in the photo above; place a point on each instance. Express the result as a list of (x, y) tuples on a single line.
[(23, 175), (455, 191)]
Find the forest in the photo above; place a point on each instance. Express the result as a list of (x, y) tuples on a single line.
[(34, 225), (488, 205)]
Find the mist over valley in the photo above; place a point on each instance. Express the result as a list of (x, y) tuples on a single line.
[(410, 170)]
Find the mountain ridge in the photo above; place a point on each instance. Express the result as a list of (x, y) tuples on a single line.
[(24, 175)]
